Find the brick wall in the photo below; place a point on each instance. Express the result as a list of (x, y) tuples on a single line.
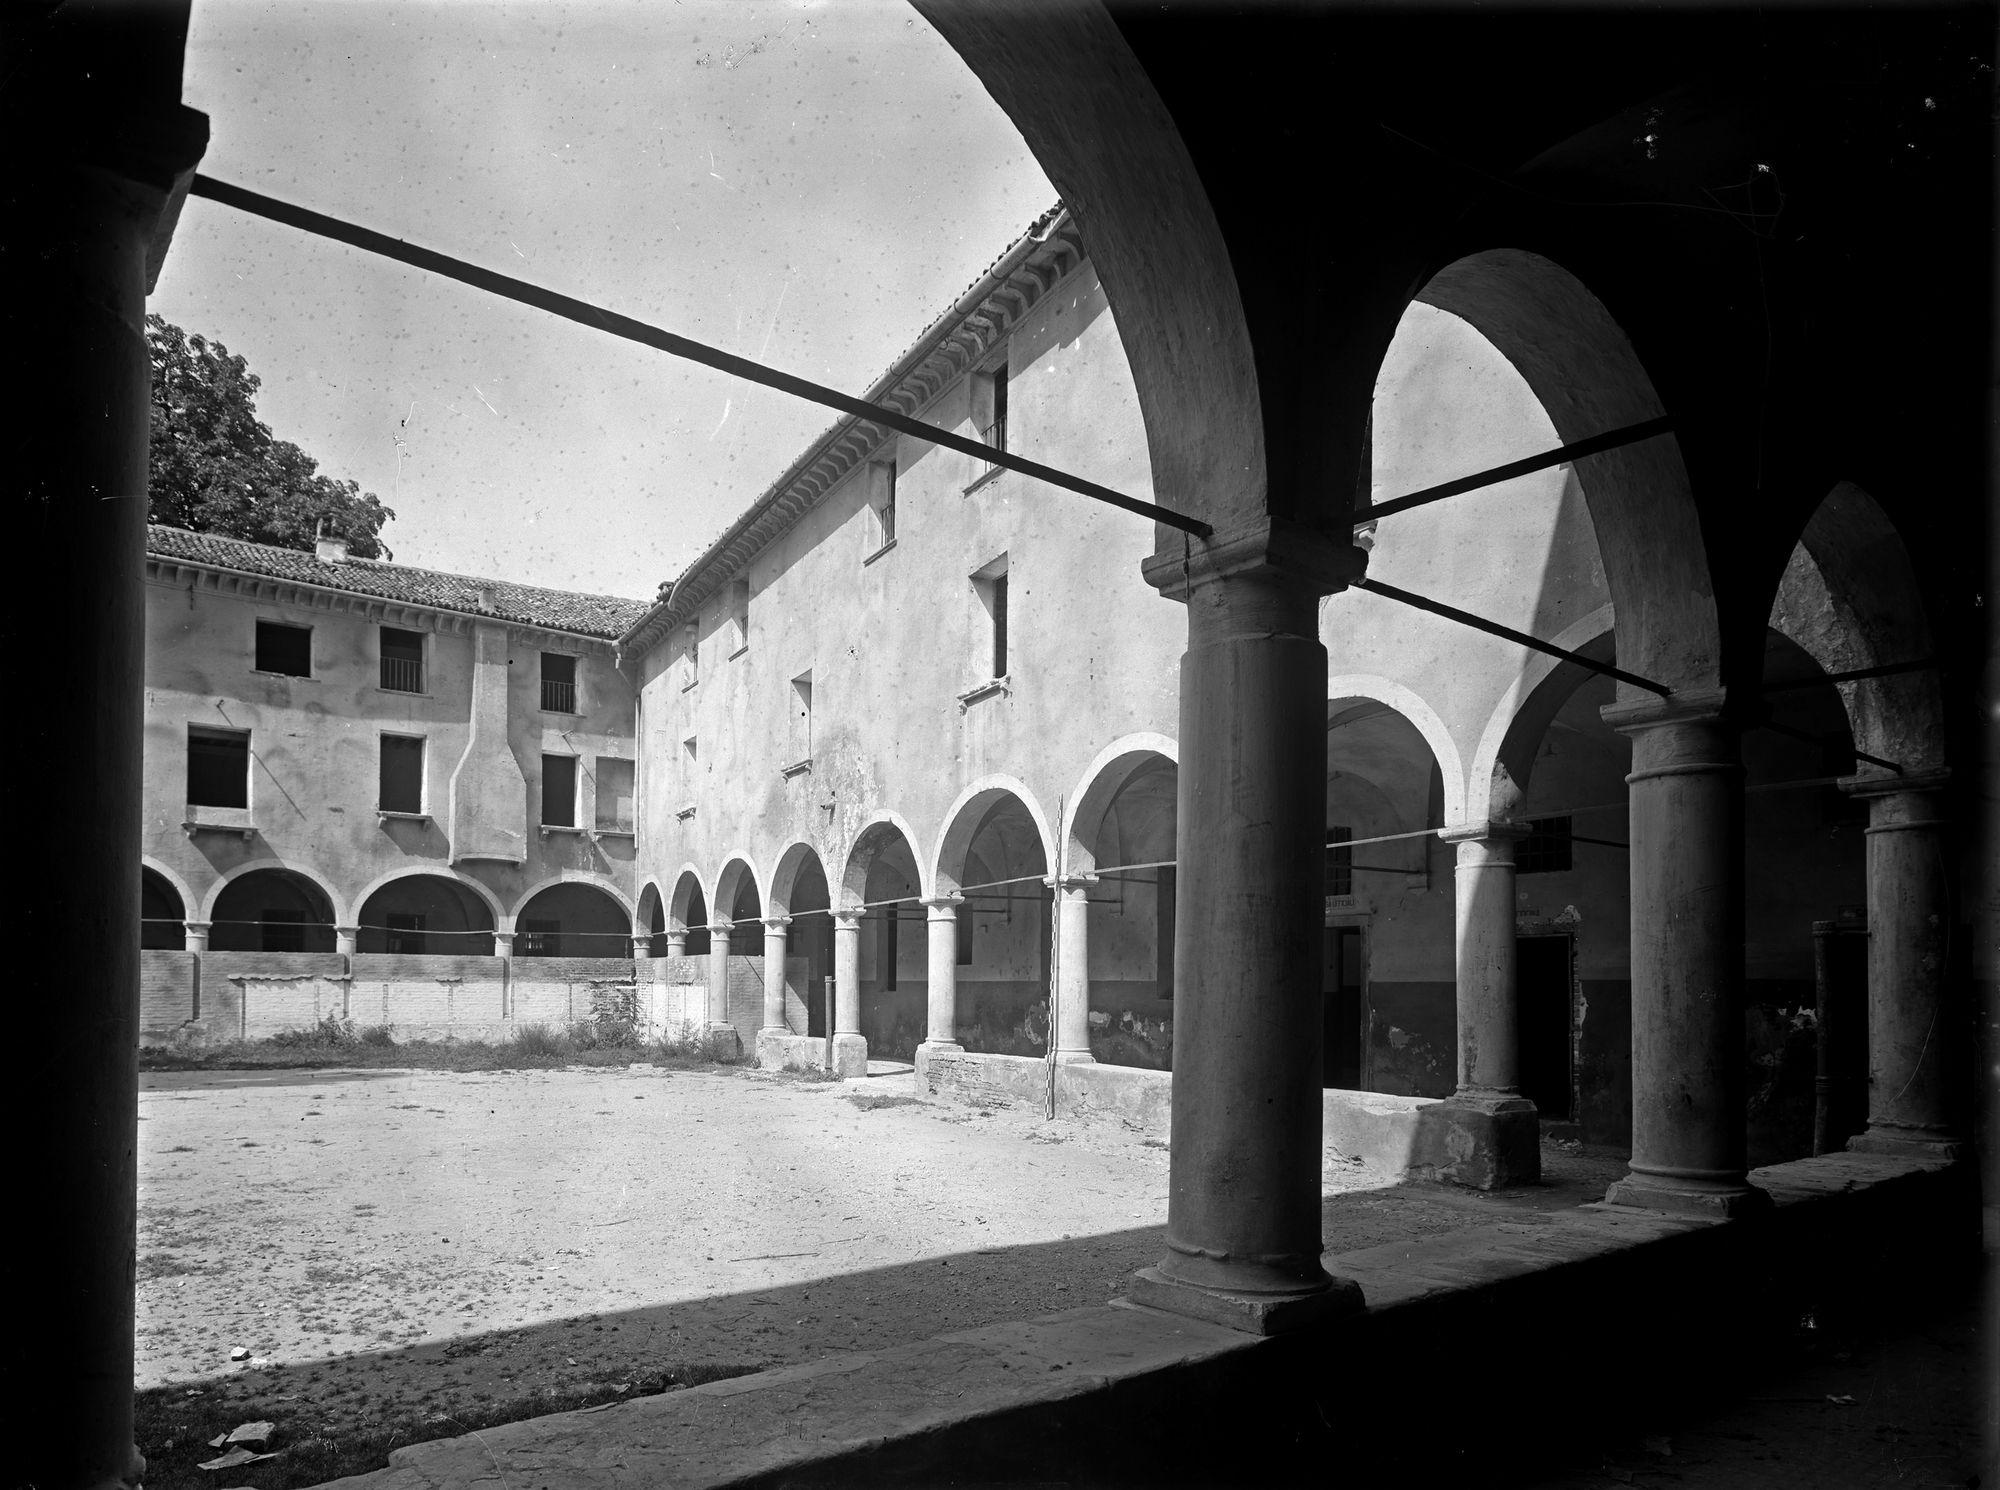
[(166, 994)]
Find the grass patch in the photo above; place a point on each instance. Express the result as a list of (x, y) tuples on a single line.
[(173, 1428), (870, 1101)]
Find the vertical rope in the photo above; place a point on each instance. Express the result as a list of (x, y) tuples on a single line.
[(1055, 965)]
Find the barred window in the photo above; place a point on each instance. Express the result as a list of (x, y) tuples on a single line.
[(1339, 861), (1546, 848)]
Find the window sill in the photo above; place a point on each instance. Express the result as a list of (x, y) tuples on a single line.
[(878, 553), (739, 651), (689, 684), (548, 828), (265, 672), (684, 814), (384, 814), (566, 713), (204, 819), (403, 692), (797, 768), (985, 480), (984, 690), (613, 833)]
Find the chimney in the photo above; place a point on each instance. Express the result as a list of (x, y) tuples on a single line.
[(486, 599), (330, 550)]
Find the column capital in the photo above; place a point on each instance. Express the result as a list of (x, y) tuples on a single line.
[(1883, 784), (941, 906), (847, 920), (776, 923), (1476, 832), (1273, 549), (1069, 881), (1703, 706), (721, 928), (201, 927)]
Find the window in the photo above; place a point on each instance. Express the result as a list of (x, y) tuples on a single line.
[(558, 683), (1339, 861), (739, 617), (801, 746), (559, 791), (218, 767), (691, 641), (989, 406), (402, 660), (990, 585), (614, 794), (1546, 848), (889, 948), (402, 777), (284, 649), (406, 932), (539, 938)]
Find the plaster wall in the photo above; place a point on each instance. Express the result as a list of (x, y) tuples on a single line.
[(314, 744)]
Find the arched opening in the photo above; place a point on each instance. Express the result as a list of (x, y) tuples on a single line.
[(162, 917), (737, 900), (799, 890), (1388, 986), (687, 912), (882, 877), (572, 920), (1122, 830), (425, 913), (272, 910), (652, 921), (991, 854)]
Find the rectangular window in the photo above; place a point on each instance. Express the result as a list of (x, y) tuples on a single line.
[(1339, 861), (691, 640), (559, 791), (989, 407), (1546, 848), (996, 432), (989, 584), (739, 616), (558, 683), (801, 747), (1000, 626), (281, 931), (218, 767), (284, 649), (402, 779), (886, 511), (402, 660), (614, 794), (406, 932)]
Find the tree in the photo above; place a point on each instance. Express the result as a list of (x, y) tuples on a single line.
[(214, 467)]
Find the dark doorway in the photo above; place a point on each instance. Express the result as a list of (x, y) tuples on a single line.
[(1544, 982), (1340, 986)]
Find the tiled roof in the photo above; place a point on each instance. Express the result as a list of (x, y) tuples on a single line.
[(559, 610)]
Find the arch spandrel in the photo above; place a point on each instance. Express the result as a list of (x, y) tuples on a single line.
[(970, 813)]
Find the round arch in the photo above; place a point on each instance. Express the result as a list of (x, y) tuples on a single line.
[(687, 912), (736, 884), (1504, 758), (452, 914), (649, 920), (570, 917), (794, 868), (1584, 372), (336, 905), (969, 813), (265, 906), (1099, 786), (174, 882), (162, 911), (1422, 717), (878, 835)]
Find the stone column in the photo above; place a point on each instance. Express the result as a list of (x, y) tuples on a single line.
[(1494, 1135), (942, 986), (846, 973), (776, 933), (718, 974), (105, 152), (677, 943), (1071, 1015), (197, 934), (344, 938), (1688, 1063), (1243, 1216), (1911, 1034), (503, 944)]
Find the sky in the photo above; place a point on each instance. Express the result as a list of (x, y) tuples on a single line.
[(807, 183)]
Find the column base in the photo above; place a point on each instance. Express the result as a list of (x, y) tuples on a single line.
[(929, 1048), (1252, 1313), (724, 1040), (850, 1056), (1909, 1143), (1480, 1141), (1075, 1058), (1715, 1200)]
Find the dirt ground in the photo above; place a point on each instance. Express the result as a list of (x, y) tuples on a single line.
[(449, 1242)]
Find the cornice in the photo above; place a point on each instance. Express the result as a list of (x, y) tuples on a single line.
[(984, 316), (237, 584)]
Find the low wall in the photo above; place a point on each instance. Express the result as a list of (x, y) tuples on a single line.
[(788, 1052), (1393, 1134)]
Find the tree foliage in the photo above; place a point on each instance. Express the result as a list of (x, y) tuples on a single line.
[(214, 467)]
